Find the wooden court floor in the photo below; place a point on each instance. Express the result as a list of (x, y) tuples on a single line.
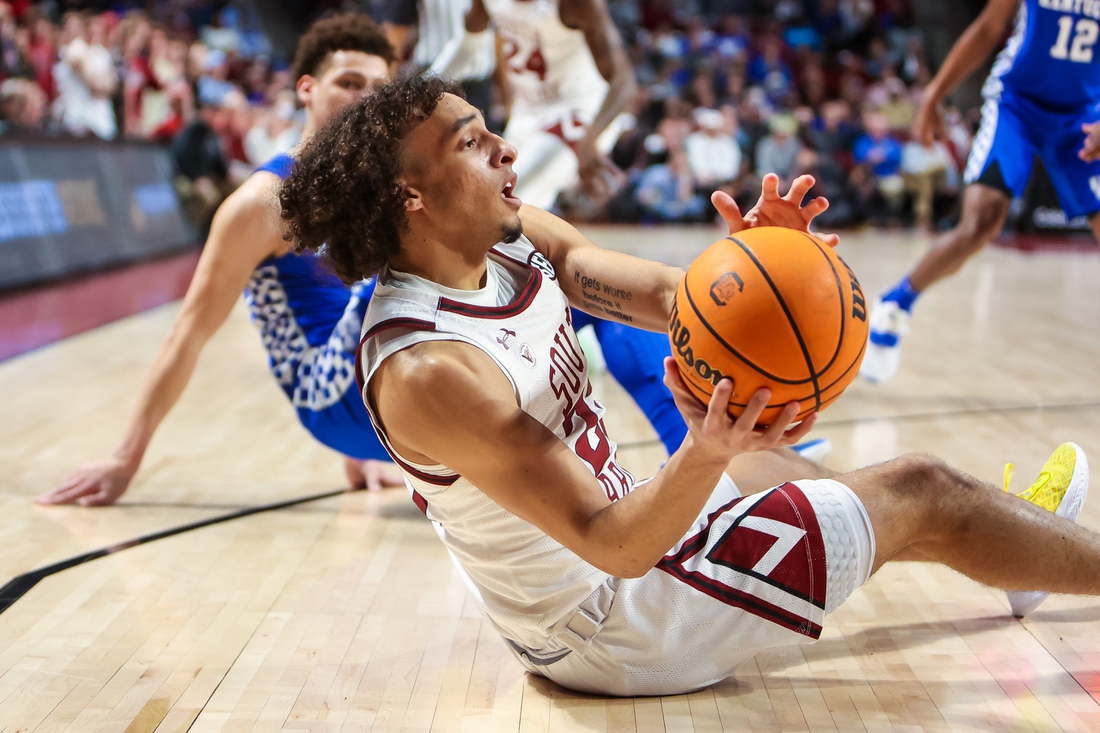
[(344, 614)]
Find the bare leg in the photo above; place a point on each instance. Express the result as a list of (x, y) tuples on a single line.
[(756, 472), (920, 506), (983, 216), (1094, 222)]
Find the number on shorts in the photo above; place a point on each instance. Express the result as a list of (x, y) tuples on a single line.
[(1080, 51)]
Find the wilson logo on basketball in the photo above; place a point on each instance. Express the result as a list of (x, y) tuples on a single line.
[(859, 304), (681, 338), (725, 287)]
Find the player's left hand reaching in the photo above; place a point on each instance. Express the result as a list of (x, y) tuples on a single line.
[(773, 210), (1090, 151)]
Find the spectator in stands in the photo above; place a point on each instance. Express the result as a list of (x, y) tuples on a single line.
[(22, 104), (213, 85), (878, 155), (138, 77), (43, 54), (778, 152), (713, 154), (927, 171), (769, 70), (666, 191), (273, 133), (85, 78)]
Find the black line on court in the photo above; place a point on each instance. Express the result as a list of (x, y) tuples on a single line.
[(919, 416), (18, 586)]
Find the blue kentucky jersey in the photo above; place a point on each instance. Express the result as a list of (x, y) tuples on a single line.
[(309, 322), (1052, 56)]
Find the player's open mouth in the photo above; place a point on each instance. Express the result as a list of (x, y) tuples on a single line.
[(506, 192)]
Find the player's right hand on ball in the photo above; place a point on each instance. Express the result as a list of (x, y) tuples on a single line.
[(97, 483), (715, 431)]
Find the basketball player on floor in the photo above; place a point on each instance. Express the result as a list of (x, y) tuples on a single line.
[(1041, 98), (601, 583), (309, 321)]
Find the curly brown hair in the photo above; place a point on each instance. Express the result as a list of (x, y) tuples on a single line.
[(343, 198), (342, 32)]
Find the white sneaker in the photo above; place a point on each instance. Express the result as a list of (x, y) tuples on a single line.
[(1061, 488), (889, 322), (814, 450)]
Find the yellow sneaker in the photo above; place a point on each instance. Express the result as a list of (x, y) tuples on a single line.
[(1061, 488)]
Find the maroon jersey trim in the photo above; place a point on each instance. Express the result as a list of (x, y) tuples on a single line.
[(495, 312), (411, 324)]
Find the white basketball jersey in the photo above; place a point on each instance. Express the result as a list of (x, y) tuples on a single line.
[(526, 580), (548, 63)]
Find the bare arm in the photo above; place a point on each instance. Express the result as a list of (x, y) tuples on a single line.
[(605, 283), (970, 50), (529, 471), (245, 230), (477, 17), (592, 18), (619, 287)]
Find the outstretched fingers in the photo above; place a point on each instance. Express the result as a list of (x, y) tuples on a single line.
[(729, 211), (769, 187), (799, 188)]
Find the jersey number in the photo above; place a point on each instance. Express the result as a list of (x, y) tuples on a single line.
[(535, 63), (1084, 38)]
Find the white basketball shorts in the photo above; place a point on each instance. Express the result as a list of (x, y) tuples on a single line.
[(753, 573)]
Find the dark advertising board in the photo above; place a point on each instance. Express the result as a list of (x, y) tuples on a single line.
[(66, 207)]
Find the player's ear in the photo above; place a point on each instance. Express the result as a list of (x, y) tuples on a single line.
[(304, 89), (413, 202)]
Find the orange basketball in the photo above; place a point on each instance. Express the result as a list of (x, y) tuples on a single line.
[(770, 307)]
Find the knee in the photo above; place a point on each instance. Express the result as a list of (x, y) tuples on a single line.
[(926, 480), (980, 225)]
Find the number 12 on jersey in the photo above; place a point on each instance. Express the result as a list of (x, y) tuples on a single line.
[(1084, 33)]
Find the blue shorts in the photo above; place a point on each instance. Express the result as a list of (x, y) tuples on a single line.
[(1015, 129), (345, 427)]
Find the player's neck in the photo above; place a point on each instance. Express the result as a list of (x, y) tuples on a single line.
[(442, 263), (311, 126)]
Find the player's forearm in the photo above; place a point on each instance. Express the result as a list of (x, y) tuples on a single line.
[(620, 94), (628, 538), (165, 382), (604, 283), (968, 53), (618, 287)]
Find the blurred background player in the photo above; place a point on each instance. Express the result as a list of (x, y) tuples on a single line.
[(432, 24), (308, 320), (569, 78), (1042, 98)]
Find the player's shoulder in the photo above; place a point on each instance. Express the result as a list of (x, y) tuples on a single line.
[(443, 368), (253, 208), (258, 193)]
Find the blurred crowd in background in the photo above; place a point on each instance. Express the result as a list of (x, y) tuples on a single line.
[(730, 90)]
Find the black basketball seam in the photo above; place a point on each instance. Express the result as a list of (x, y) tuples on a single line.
[(790, 318), (840, 294), (826, 388), (735, 352)]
